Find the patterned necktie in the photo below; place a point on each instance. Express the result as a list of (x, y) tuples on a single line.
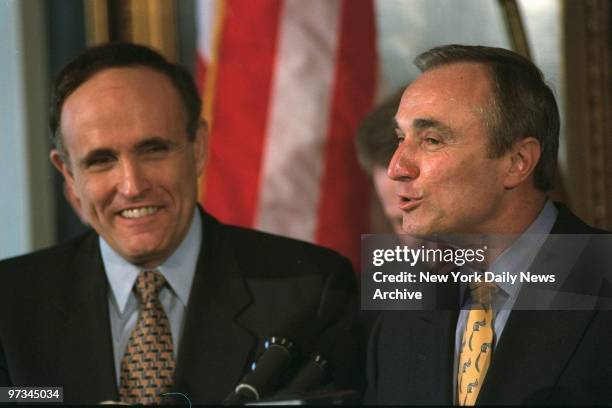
[(477, 345), (147, 366)]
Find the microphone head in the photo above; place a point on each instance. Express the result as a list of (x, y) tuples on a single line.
[(282, 363), (279, 360), (314, 373)]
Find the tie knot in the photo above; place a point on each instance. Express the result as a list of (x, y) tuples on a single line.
[(482, 292), (148, 285)]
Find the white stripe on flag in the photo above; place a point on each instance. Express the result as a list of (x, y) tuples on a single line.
[(298, 118), (206, 10)]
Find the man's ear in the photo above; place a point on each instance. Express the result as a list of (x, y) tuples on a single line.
[(201, 147), (58, 161), (523, 158), (70, 194)]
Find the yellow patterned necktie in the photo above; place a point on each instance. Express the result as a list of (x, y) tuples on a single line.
[(147, 367), (476, 345)]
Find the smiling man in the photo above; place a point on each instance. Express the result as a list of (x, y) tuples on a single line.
[(131, 164), (478, 137), (160, 297)]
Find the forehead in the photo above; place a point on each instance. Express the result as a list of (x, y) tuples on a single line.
[(137, 99), (119, 108), (117, 84), (445, 93)]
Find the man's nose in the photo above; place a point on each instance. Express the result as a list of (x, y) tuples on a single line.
[(133, 181), (403, 164)]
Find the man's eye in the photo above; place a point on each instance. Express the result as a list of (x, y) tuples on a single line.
[(155, 149), (99, 161), (400, 136), (432, 142)]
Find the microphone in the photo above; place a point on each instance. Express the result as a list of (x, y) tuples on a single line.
[(312, 374), (276, 358), (285, 350), (279, 356), (316, 371), (330, 363)]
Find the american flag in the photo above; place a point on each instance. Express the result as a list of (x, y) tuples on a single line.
[(285, 84)]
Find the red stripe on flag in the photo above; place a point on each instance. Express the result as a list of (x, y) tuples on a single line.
[(344, 205), (245, 67), (200, 73)]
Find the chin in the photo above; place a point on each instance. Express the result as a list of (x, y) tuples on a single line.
[(413, 228), (142, 254), (145, 260)]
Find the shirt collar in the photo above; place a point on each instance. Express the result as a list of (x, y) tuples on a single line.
[(523, 251), (519, 256), (178, 269)]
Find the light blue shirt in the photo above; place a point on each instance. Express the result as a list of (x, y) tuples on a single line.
[(517, 257), (178, 270)]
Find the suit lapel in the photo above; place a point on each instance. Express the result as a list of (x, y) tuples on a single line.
[(84, 341), (536, 346), (420, 344), (425, 341), (434, 352), (531, 355), (216, 347)]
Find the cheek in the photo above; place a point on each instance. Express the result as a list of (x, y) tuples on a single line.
[(452, 171), (442, 175), (92, 192), (386, 190), (178, 180), (473, 185), (454, 185)]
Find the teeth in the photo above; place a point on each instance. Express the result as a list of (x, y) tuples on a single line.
[(138, 212)]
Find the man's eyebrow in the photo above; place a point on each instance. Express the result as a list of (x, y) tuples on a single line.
[(428, 123), (154, 141), (96, 153)]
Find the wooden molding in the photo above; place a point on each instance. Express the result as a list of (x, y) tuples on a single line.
[(148, 22), (588, 50)]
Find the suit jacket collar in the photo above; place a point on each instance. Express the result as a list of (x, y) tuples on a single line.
[(568, 223), (532, 354), (527, 345), (534, 339), (216, 345), (432, 347), (84, 341)]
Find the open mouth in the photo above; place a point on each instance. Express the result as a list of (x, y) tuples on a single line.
[(408, 203), (134, 213)]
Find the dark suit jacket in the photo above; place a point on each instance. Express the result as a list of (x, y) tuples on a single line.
[(542, 357), (55, 330)]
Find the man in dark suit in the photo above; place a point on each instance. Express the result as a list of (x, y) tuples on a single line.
[(160, 297), (478, 132)]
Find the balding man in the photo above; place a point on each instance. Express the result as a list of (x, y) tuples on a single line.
[(160, 297), (478, 137)]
